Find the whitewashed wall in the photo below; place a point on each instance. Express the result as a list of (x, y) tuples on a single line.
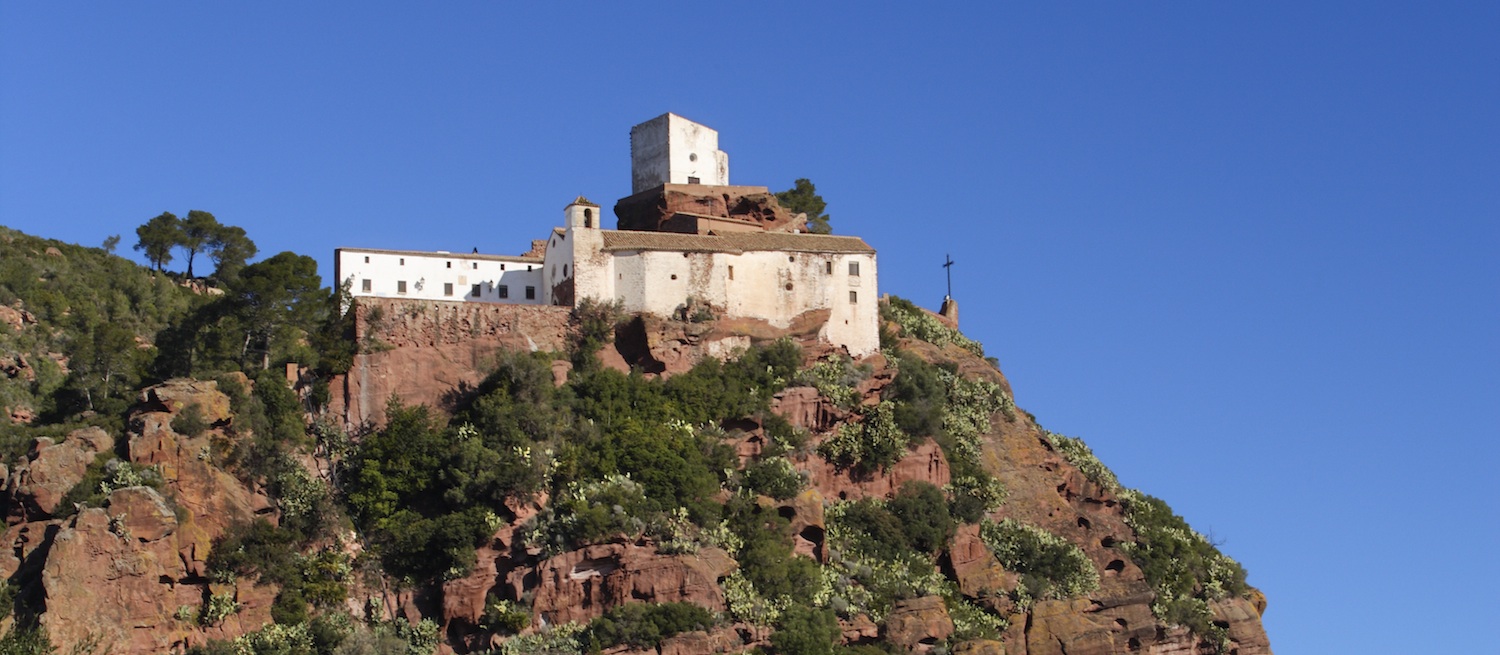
[(439, 276), (670, 149)]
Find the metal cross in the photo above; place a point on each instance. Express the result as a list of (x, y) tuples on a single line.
[(948, 268)]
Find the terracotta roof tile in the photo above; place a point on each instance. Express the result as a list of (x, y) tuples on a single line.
[(733, 242)]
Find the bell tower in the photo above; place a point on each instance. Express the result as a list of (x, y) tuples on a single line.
[(581, 213)]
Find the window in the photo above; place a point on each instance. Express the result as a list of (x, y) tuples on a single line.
[(588, 217), (853, 297), (565, 270), (367, 259), (531, 293), (528, 268), (828, 267), (364, 285), (450, 264), (853, 268), (475, 266), (402, 261), (401, 286), (502, 266), (731, 272), (692, 180), (447, 288), (504, 291)]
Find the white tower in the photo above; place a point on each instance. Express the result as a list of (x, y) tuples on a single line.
[(670, 149)]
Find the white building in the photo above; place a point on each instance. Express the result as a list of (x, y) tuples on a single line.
[(439, 275), (771, 276), (670, 149)]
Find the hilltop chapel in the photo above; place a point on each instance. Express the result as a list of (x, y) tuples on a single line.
[(684, 236)]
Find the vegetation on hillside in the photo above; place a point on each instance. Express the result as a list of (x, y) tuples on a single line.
[(617, 456)]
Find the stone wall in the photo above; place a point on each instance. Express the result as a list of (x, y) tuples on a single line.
[(428, 352)]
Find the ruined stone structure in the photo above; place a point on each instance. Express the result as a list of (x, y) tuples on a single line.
[(686, 239)]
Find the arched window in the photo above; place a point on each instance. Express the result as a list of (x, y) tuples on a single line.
[(588, 218)]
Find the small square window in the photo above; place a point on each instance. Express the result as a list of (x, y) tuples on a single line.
[(450, 264), (401, 286), (475, 291), (476, 266), (693, 180), (853, 297), (502, 266), (364, 285), (403, 261), (531, 293), (504, 291), (447, 288), (853, 268), (367, 259)]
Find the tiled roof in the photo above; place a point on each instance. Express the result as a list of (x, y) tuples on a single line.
[(734, 242), (442, 255)]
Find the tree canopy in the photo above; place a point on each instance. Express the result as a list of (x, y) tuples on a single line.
[(157, 238), (804, 198)]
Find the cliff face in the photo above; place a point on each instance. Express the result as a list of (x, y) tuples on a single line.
[(132, 571)]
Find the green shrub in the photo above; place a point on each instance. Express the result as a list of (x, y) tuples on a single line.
[(189, 421), (922, 511), (919, 324), (1050, 565), (775, 477), (644, 625), (874, 443), (806, 631), (836, 378), (1078, 453), (588, 513), (504, 617), (1184, 568)]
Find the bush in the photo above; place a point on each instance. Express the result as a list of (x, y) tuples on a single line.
[(806, 631), (1184, 568), (775, 477), (1050, 566), (875, 443), (919, 324), (922, 511), (644, 626), (189, 421)]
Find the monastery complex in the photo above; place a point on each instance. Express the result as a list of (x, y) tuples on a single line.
[(685, 237)]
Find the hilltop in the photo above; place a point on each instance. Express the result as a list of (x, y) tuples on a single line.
[(549, 480)]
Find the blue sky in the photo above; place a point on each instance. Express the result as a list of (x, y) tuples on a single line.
[(1248, 251)]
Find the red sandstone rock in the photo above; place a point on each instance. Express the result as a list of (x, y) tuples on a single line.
[(923, 462), (582, 584), (425, 351), (918, 624), (173, 395), (50, 470), (722, 640)]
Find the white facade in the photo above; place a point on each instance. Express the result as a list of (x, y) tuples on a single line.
[(773, 277), (440, 276), (670, 149)]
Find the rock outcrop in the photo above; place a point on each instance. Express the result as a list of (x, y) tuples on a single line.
[(431, 353), (130, 575), (680, 208), (37, 484), (582, 584)]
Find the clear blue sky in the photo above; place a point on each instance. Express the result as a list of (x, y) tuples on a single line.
[(1247, 250)]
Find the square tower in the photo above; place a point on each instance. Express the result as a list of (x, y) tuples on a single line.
[(670, 149)]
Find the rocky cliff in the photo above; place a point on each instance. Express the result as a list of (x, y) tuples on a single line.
[(110, 536)]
